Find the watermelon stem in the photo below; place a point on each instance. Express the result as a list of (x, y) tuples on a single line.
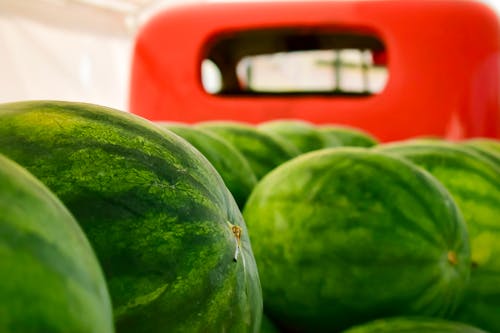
[(237, 236), (452, 258)]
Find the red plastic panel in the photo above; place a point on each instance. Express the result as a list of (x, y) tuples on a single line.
[(443, 62)]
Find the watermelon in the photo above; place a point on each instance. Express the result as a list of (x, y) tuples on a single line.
[(474, 183), (488, 148), (226, 159), (303, 135), (346, 235), (342, 135), (51, 279), (413, 325), (487, 143), (169, 236), (262, 151)]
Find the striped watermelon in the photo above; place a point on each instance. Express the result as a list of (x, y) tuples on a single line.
[(346, 235), (50, 278), (347, 136), (171, 240), (474, 183), (487, 143), (413, 325), (488, 148), (303, 135), (226, 159), (262, 151)]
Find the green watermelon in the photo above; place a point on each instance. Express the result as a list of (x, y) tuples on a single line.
[(170, 238), (51, 280), (488, 148), (488, 143), (262, 151), (474, 183), (226, 159), (346, 235), (413, 325), (342, 135), (304, 136)]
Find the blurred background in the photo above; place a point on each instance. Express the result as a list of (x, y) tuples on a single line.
[(80, 50)]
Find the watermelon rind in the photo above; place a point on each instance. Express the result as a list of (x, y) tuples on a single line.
[(164, 226), (51, 279)]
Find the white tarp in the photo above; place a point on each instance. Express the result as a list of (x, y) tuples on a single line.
[(65, 50)]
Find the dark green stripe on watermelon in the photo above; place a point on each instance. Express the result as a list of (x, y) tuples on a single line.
[(51, 280), (226, 159), (262, 151), (346, 235), (413, 325), (157, 213), (474, 183)]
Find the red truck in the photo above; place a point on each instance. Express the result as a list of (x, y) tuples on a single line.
[(397, 69)]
